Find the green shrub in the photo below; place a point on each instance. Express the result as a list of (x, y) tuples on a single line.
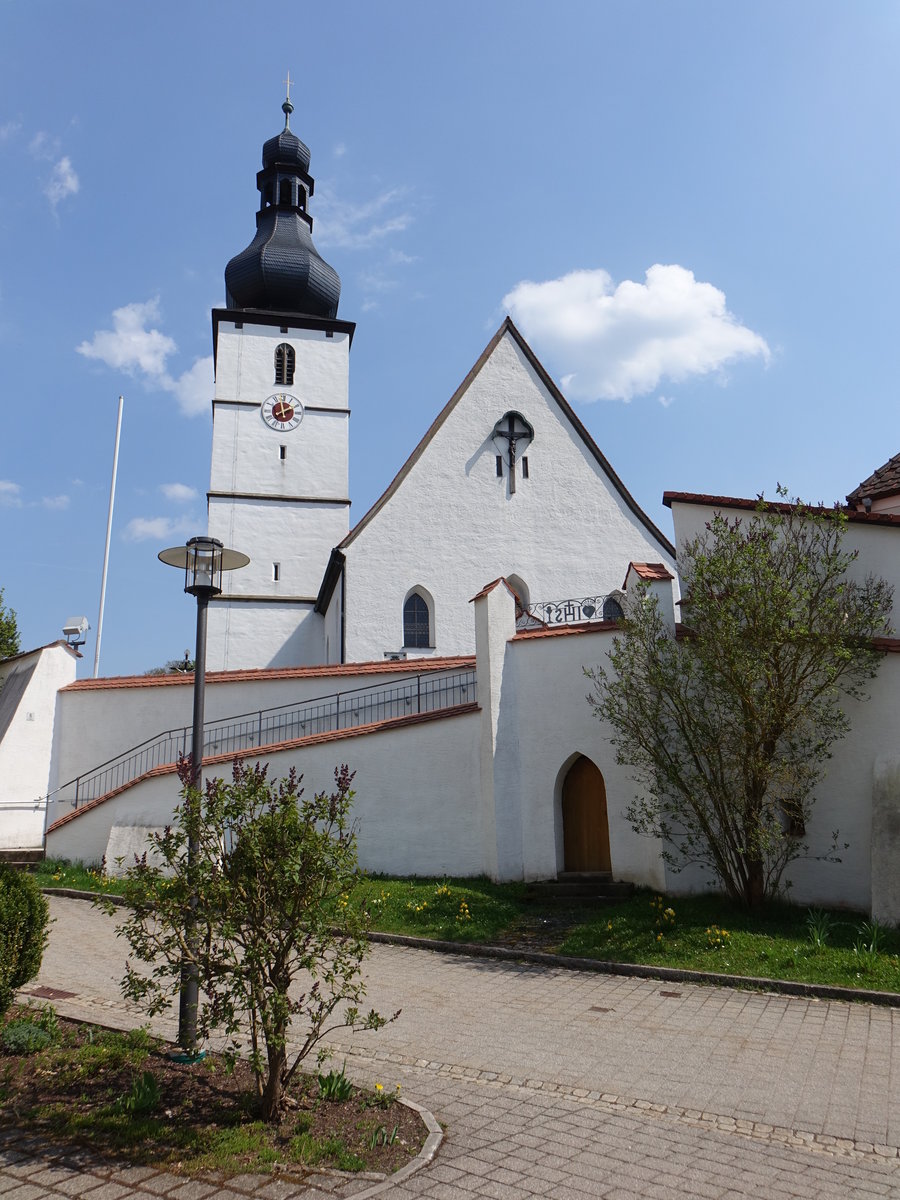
[(24, 1037), (23, 931), (335, 1085)]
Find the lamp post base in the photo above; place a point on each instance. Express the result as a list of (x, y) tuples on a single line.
[(187, 1057)]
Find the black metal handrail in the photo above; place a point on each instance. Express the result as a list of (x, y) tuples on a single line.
[(549, 613), (265, 726)]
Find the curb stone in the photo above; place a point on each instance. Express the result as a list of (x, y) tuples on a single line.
[(784, 987)]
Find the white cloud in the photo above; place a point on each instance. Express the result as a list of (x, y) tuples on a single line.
[(160, 529), (179, 493), (340, 150), (55, 503), (9, 129), (620, 341), (193, 389), (10, 494), (63, 182), (360, 226), (665, 401), (42, 145), (135, 346), (129, 346)]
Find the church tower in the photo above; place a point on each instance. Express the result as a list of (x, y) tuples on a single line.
[(279, 477)]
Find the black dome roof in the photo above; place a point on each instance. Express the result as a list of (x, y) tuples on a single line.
[(281, 270), (286, 148)]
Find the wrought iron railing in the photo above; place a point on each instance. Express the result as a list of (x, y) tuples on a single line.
[(424, 693), (551, 613)]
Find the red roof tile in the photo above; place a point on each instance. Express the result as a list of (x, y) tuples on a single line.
[(649, 571), (670, 498), (883, 482), (566, 630), (489, 587), (387, 666)]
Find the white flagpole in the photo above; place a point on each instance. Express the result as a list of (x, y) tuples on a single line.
[(109, 519)]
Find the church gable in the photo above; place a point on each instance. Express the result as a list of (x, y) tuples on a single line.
[(549, 394), (505, 481)]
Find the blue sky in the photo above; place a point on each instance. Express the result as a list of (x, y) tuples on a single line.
[(690, 209)]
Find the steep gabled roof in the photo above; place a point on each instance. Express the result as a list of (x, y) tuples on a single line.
[(648, 572), (883, 482), (508, 327)]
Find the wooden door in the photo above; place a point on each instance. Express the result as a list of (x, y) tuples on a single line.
[(585, 824)]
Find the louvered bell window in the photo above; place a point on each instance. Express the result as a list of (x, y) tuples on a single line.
[(284, 364)]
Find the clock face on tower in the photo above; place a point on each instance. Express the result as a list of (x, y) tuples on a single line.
[(282, 411)]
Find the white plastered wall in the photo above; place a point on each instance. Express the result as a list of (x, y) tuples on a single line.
[(452, 525), (26, 747), (416, 804), (285, 494), (844, 798), (543, 722), (107, 718)]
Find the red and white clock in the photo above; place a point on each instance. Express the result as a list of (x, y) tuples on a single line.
[(282, 411)]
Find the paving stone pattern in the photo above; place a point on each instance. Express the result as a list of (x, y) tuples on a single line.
[(556, 1083)]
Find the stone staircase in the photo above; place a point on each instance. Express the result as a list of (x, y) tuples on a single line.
[(23, 857), (578, 887)]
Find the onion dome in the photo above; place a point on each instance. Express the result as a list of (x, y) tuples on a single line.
[(286, 147), (281, 270)]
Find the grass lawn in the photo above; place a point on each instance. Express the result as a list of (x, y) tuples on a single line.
[(121, 1095), (703, 933), (708, 933)]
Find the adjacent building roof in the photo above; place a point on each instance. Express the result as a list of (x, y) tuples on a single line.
[(874, 518), (883, 482)]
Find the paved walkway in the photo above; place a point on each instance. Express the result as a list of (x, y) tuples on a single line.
[(562, 1084)]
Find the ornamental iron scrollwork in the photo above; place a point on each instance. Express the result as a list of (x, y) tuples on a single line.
[(553, 613)]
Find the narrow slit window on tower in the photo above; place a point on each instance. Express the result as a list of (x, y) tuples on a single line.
[(282, 452), (276, 571), (525, 467), (284, 363)]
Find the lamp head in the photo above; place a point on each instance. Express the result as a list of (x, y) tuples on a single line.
[(203, 560)]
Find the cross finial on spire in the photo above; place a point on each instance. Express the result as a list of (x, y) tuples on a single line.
[(287, 108)]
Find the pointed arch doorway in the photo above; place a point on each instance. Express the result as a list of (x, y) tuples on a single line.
[(584, 818)]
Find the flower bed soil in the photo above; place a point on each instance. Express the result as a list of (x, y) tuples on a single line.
[(74, 1092)]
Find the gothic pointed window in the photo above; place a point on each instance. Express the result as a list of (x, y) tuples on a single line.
[(416, 622), (284, 364), (612, 609)]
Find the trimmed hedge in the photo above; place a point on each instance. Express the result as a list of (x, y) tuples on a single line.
[(23, 931)]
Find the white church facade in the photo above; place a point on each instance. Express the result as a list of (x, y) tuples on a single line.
[(438, 645), (505, 481)]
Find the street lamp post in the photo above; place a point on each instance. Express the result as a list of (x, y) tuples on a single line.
[(203, 559)]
